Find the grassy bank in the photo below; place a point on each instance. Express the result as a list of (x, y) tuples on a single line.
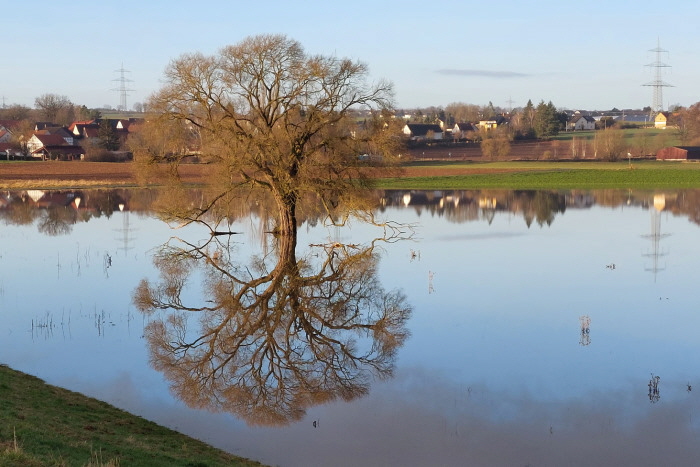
[(43, 425), (546, 175)]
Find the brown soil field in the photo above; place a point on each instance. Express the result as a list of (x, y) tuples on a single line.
[(74, 173), (66, 171)]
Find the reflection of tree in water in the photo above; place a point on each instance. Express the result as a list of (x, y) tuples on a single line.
[(278, 335), (57, 220), (541, 206), (459, 206), (19, 212)]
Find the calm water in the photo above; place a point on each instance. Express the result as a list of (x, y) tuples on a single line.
[(547, 328)]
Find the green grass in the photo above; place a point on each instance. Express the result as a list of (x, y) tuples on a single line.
[(555, 175), (669, 135), (42, 425)]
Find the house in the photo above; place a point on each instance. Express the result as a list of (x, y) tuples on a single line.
[(423, 131), (9, 125), (5, 136), (492, 123), (121, 128), (38, 126), (661, 120), (678, 153), (77, 127), (89, 130), (53, 146), (39, 140), (122, 125), (464, 130), (86, 130), (580, 122), (446, 130), (58, 131)]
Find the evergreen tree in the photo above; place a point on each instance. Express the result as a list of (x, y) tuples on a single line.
[(109, 139), (529, 113), (546, 121), (526, 121), (490, 111)]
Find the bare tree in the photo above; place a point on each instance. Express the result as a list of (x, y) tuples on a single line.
[(51, 105), (269, 115), (610, 144), (642, 143), (462, 112), (16, 112), (495, 144), (21, 133), (161, 140), (687, 124)]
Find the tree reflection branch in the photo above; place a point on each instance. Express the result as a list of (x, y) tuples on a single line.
[(278, 335)]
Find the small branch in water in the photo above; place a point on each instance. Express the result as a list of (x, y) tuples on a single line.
[(215, 233)]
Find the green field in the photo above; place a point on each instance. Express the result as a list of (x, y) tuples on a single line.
[(551, 175), (668, 136)]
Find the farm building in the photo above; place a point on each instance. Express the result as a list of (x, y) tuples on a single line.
[(679, 153), (661, 120)]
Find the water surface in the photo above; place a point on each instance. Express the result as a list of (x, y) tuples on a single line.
[(547, 328)]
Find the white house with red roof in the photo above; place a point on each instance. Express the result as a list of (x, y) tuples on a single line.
[(52, 146)]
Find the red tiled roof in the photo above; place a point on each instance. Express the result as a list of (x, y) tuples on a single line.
[(91, 132), (10, 124), (50, 140), (84, 122)]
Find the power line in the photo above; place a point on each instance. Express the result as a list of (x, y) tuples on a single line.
[(658, 84), (123, 90)]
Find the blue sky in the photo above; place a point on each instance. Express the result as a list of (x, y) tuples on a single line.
[(580, 55)]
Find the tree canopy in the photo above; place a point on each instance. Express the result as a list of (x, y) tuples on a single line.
[(109, 139), (55, 108), (270, 115), (546, 120)]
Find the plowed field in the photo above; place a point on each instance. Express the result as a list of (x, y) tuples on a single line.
[(46, 174)]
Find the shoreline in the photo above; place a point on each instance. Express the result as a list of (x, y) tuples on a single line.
[(42, 425)]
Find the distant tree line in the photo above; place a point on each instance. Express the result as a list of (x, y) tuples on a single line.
[(54, 108)]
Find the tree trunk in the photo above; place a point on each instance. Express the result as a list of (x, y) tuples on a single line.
[(286, 207)]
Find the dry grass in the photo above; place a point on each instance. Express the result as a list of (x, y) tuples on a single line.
[(75, 174), (49, 184)]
